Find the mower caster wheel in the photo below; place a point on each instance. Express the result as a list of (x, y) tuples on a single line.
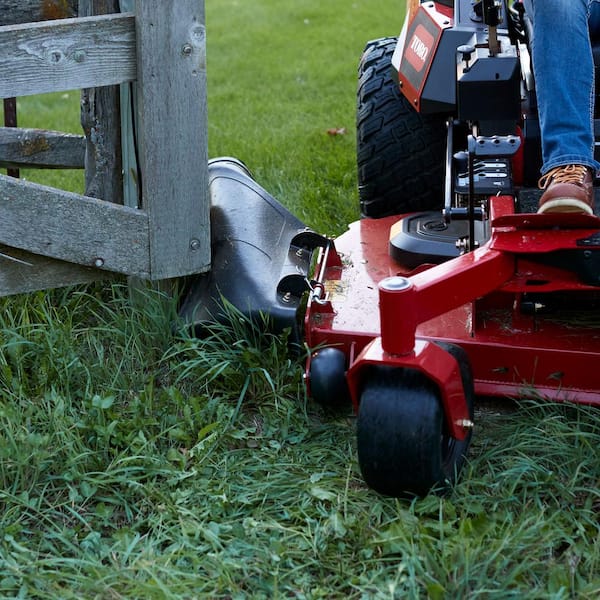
[(404, 447), (328, 385)]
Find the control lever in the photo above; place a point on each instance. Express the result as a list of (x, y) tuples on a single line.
[(485, 146), (491, 17)]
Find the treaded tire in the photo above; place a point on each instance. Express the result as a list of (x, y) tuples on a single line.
[(403, 444), (400, 153)]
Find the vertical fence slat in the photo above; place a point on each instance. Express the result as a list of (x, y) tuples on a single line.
[(131, 189), (101, 122), (10, 120), (172, 126)]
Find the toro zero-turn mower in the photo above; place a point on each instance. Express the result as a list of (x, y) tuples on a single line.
[(450, 286)]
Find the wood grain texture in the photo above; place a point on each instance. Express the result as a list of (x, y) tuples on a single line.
[(75, 228), (24, 272), (101, 122), (70, 54), (161, 49), (172, 125), (42, 149)]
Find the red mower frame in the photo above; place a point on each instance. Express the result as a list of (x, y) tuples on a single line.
[(474, 300)]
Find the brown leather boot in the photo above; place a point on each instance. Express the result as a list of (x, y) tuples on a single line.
[(567, 189)]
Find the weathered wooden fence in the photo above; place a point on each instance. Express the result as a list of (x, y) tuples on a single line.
[(143, 78)]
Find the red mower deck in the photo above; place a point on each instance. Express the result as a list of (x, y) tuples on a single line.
[(478, 301)]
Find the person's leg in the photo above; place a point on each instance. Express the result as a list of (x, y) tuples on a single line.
[(564, 77), (564, 73)]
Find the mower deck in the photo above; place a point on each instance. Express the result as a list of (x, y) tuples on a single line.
[(525, 306)]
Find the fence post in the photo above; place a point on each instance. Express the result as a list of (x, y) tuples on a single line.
[(172, 140)]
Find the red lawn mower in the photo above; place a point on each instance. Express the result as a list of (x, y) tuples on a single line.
[(451, 286)]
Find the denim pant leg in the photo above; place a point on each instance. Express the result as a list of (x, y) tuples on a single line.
[(564, 73)]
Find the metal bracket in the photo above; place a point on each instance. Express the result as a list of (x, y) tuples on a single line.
[(496, 145)]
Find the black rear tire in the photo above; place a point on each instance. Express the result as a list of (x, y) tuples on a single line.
[(400, 153)]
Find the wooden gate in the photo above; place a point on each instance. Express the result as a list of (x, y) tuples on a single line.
[(143, 74)]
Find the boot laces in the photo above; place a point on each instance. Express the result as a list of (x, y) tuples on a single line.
[(564, 174)]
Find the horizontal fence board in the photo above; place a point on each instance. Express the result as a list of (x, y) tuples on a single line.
[(41, 149), (74, 228), (23, 272), (25, 11), (68, 54)]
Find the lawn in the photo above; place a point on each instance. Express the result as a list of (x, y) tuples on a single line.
[(136, 462)]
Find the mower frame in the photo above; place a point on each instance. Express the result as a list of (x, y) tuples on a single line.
[(508, 308)]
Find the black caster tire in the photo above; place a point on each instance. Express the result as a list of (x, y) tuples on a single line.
[(403, 444), (400, 153), (328, 385)]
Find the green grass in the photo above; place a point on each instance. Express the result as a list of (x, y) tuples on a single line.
[(280, 76), (138, 463)]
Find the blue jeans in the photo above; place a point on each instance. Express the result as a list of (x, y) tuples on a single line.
[(564, 77)]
